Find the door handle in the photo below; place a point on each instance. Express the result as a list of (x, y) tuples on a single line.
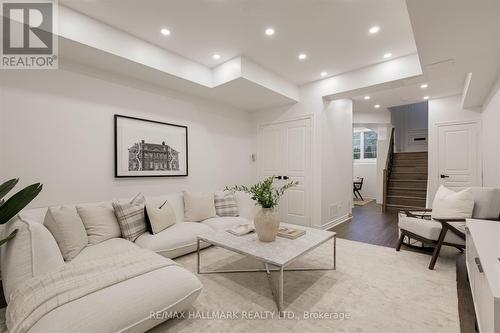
[(286, 177), (278, 177), (445, 176)]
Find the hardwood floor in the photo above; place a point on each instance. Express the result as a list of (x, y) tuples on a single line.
[(370, 225)]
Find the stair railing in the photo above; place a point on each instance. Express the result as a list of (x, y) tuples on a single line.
[(388, 169)]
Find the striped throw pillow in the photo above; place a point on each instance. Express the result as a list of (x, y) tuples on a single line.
[(131, 218), (225, 204)]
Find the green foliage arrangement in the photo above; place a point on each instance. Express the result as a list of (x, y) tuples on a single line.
[(10, 207), (264, 193)]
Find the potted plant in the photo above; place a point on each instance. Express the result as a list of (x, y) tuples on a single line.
[(267, 220), (10, 207)]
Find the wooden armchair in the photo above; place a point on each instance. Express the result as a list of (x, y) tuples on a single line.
[(419, 225)]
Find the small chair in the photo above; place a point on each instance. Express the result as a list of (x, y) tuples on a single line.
[(420, 226), (357, 185)]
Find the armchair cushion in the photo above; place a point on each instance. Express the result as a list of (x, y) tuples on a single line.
[(453, 205), (430, 229)]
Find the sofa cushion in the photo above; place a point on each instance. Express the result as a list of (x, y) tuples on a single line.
[(109, 247), (126, 306), (100, 222), (67, 228), (428, 228), (32, 252), (198, 206), (226, 204), (451, 204), (159, 218), (175, 241), (486, 202), (131, 217), (224, 223)]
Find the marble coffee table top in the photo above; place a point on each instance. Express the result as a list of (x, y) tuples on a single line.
[(280, 252)]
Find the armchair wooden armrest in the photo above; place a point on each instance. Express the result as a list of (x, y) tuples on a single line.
[(446, 225), (411, 213)]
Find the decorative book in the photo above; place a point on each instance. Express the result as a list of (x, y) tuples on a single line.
[(290, 233), (241, 230)]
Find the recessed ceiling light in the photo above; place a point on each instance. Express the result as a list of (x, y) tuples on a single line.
[(216, 56), (302, 56), (324, 73), (376, 106), (387, 55), (165, 32), (374, 29), (423, 86), (426, 97), (269, 31), (367, 97)]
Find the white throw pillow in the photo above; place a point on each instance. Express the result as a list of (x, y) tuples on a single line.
[(198, 206), (67, 228), (449, 204), (159, 218), (100, 223), (32, 252)]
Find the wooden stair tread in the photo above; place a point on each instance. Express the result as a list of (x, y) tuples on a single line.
[(406, 188), (405, 197), (408, 180), (404, 207)]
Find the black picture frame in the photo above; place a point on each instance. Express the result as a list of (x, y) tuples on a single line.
[(118, 175)]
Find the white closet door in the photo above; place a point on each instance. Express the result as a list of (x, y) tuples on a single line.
[(286, 153)]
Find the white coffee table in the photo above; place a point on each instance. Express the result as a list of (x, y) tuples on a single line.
[(279, 253)]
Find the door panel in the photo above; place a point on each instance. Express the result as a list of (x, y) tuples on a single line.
[(271, 145), (286, 151), (458, 157)]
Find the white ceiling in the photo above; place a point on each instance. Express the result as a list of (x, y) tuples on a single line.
[(408, 92), (334, 33)]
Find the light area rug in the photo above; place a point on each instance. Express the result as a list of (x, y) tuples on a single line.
[(380, 289), (359, 202)]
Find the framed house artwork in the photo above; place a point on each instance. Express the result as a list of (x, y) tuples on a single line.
[(147, 148)]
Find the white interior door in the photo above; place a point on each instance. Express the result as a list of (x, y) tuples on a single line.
[(286, 154), (458, 155)]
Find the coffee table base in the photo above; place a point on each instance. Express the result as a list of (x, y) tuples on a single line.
[(276, 292)]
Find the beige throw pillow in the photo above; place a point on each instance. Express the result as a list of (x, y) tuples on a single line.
[(159, 218), (67, 228), (100, 223), (451, 204), (131, 217), (198, 206)]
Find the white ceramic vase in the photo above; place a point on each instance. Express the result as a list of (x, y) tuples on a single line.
[(266, 223)]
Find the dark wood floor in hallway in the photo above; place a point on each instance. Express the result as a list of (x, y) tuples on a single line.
[(370, 225)]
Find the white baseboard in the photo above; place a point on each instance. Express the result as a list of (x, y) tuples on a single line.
[(335, 222)]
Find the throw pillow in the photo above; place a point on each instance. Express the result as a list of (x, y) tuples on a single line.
[(131, 217), (100, 222), (159, 218), (225, 204), (198, 206), (67, 228), (451, 204)]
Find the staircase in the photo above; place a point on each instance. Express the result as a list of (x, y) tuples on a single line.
[(407, 181)]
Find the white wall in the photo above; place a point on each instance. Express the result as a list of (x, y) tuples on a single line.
[(410, 121), (491, 138), (443, 110), (56, 127), (368, 171)]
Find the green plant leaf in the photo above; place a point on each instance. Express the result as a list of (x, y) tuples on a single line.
[(8, 238), (7, 186), (18, 201)]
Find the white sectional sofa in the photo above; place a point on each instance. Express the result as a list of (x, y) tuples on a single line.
[(125, 306)]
